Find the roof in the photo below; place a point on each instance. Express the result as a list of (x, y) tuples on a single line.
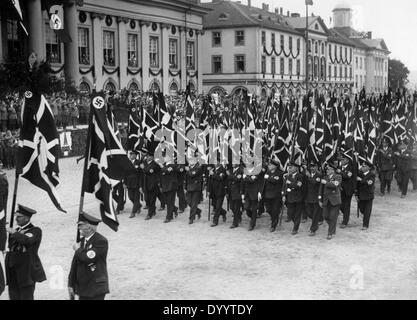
[(228, 14), (364, 43), (299, 23), (337, 37)]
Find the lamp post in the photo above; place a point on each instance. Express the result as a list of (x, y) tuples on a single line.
[(308, 3)]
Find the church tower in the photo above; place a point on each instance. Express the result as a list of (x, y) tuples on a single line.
[(342, 15)]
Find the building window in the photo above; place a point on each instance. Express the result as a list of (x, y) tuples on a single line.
[(340, 52), (360, 63), (341, 72), (309, 46), (356, 62), (190, 55), (108, 48), (216, 62), (316, 67), (351, 51), (316, 49), (110, 87), (346, 73), (346, 53), (282, 66), (350, 73), (133, 87), (298, 67), (290, 43), (273, 65), (273, 39), (335, 71), (282, 41), (322, 48), (298, 45), (356, 81), (239, 63), (263, 65), (132, 50), (263, 38), (330, 50), (13, 44), (217, 39), (330, 72), (240, 38), (53, 46), (154, 52), (83, 49), (290, 66), (173, 56), (84, 88)]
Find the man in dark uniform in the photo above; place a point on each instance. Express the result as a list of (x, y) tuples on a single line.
[(151, 171), (23, 266), (330, 198), (403, 166), (386, 167), (169, 186), (272, 192), (261, 204), (194, 184), (132, 183), (88, 276), (235, 191), (182, 203), (313, 182), (252, 187), (293, 195), (365, 192), (413, 160), (348, 173), (118, 194), (217, 191)]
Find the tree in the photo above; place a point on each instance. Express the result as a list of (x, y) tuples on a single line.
[(397, 74)]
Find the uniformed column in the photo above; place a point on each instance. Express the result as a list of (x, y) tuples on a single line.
[(165, 58), (35, 29), (71, 67), (199, 57), (183, 58), (145, 55), (98, 49), (122, 51)]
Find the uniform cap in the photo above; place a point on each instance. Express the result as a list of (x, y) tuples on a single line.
[(86, 218), (25, 210)]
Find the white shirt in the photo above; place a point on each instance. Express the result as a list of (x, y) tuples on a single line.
[(20, 228)]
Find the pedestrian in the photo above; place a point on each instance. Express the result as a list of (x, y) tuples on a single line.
[(294, 195), (88, 276), (330, 198), (74, 114), (272, 192), (313, 182), (385, 166), (23, 265), (235, 191), (348, 171), (132, 183), (3, 116), (365, 192), (12, 118), (182, 203), (194, 185), (151, 171), (252, 188), (403, 167), (169, 186), (217, 191)]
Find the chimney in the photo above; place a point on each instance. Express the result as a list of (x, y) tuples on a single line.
[(249, 3), (295, 15), (369, 34), (288, 13), (281, 11), (276, 11), (265, 7)]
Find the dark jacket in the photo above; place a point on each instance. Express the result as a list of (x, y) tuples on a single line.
[(133, 180), (313, 188), (194, 178), (23, 257), (169, 178), (348, 173), (273, 184), (294, 187), (151, 172), (252, 185), (88, 275), (218, 182), (403, 160), (331, 190), (235, 184), (366, 187), (385, 159)]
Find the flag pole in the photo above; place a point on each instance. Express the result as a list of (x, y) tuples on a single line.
[(87, 150)]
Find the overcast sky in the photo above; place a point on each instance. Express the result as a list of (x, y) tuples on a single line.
[(394, 21)]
